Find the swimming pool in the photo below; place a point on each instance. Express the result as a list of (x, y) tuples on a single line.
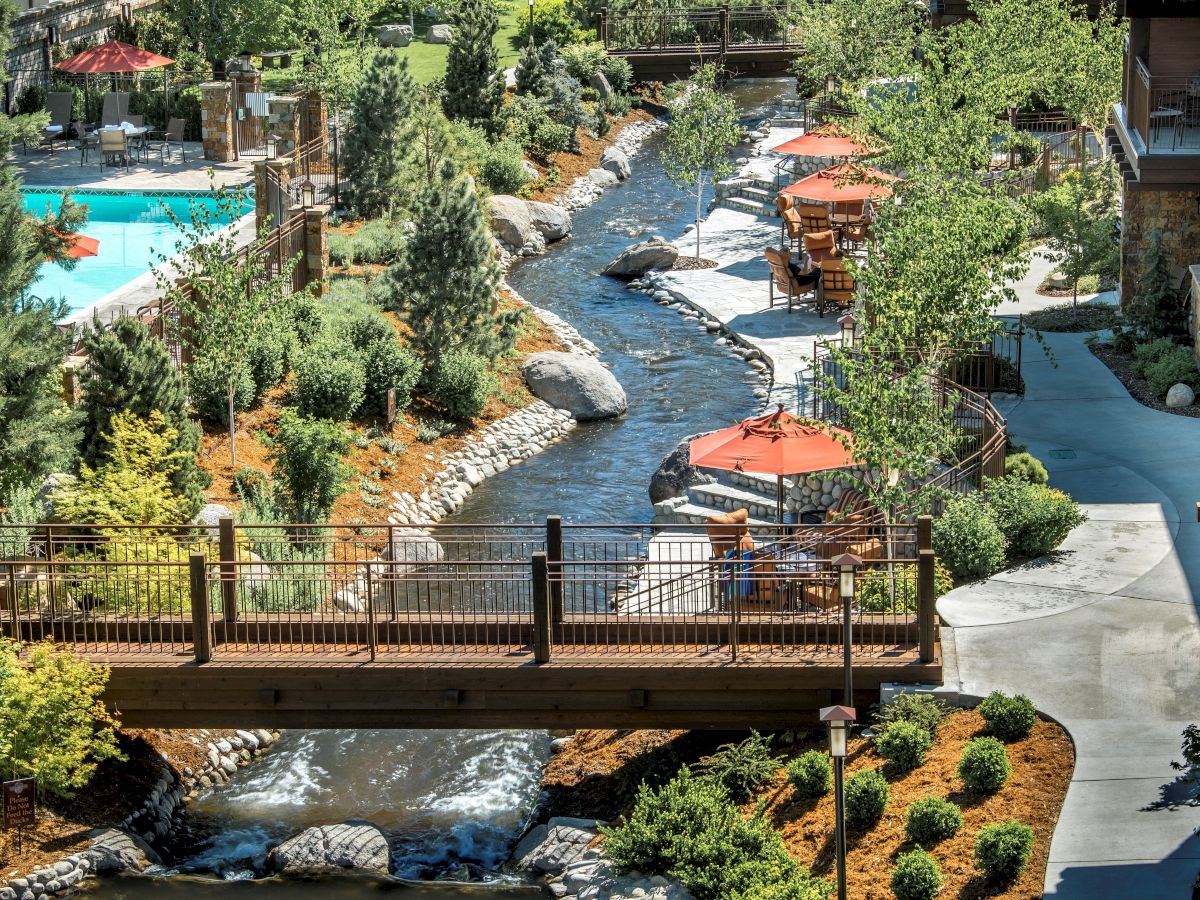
[(134, 232)]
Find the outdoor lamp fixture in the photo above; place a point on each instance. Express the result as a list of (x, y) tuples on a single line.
[(52, 34), (846, 564), (308, 194), (847, 323), (840, 719)]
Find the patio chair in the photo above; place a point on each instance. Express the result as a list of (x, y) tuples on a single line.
[(784, 280), (821, 245), (115, 109), (837, 287), (59, 105), (172, 137), (85, 140), (114, 145), (792, 229), (815, 218)]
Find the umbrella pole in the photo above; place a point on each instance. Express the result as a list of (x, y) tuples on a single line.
[(779, 499)]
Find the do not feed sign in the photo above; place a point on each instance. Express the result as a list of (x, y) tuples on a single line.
[(19, 801)]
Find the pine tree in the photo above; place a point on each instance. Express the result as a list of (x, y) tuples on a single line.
[(474, 88), (533, 75), (1159, 308), (373, 150), (447, 283), (129, 370)]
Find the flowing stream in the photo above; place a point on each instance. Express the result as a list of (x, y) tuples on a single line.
[(454, 800)]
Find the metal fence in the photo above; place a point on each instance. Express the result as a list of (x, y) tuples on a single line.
[(715, 27), (498, 591)]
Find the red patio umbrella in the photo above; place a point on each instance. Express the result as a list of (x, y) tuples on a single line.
[(842, 184), (825, 141), (113, 58), (776, 444), (79, 246)]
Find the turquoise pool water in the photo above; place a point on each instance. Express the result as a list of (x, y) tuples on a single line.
[(134, 232)]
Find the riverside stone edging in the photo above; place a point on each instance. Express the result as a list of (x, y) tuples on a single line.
[(155, 820)]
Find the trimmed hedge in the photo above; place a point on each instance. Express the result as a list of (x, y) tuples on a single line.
[(904, 744), (1008, 718), (461, 384), (931, 820), (917, 876), (809, 774), (867, 794), (1002, 849), (983, 766)]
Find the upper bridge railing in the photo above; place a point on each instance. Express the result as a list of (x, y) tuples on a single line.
[(713, 28), (514, 592)]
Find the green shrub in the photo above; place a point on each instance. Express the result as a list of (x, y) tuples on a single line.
[(617, 105), (54, 725), (429, 430), (690, 830), (248, 481), (619, 72), (924, 710), (810, 774), (1176, 367), (740, 768), (932, 819), (1008, 718), (461, 384), (983, 766), (1033, 518), (330, 383), (307, 316), (867, 795), (206, 385), (551, 137), (266, 356), (652, 767), (1027, 467), (503, 168), (308, 464), (904, 744), (1145, 355), (582, 61), (916, 876), (553, 21), (879, 592), (967, 538), (341, 248), (1003, 849), (387, 365), (379, 242)]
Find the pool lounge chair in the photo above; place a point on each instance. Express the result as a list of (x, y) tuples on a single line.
[(59, 105)]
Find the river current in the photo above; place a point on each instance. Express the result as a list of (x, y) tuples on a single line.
[(454, 800)]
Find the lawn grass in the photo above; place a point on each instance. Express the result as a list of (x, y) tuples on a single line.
[(426, 62)]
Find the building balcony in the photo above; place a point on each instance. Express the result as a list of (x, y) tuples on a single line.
[(1158, 127)]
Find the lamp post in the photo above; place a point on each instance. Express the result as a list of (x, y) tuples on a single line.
[(839, 719), (847, 323), (531, 25), (846, 565)]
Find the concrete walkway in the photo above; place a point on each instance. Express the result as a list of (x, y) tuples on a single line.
[(1103, 634)]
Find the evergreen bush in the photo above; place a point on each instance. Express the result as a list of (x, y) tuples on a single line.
[(1176, 367), (1158, 308), (983, 765), (867, 795), (330, 382), (809, 774), (742, 767), (374, 143), (932, 819), (917, 876), (474, 87), (619, 72), (533, 69), (461, 384), (652, 767), (924, 710), (386, 365), (1008, 718), (503, 168), (1033, 518), (308, 465), (904, 744), (207, 383), (1027, 467), (967, 539), (584, 60), (1003, 849), (1147, 354), (266, 357)]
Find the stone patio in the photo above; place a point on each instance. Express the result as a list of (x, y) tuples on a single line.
[(62, 168)]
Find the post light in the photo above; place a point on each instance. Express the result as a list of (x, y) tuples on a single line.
[(847, 324), (846, 564), (308, 194), (531, 25), (840, 719)]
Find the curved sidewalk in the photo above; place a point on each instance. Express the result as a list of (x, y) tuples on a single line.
[(1103, 634)]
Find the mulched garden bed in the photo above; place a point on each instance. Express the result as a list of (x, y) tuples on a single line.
[(690, 263), (1121, 365), (1068, 318)]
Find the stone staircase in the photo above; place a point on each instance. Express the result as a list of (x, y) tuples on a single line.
[(753, 194), (790, 114), (731, 490)]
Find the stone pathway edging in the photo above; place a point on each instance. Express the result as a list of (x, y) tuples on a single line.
[(157, 818), (1103, 634)]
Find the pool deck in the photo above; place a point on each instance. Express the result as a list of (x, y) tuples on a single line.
[(61, 169)]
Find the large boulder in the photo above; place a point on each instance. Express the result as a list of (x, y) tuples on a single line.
[(412, 547), (548, 849), (552, 221), (603, 178), (349, 845), (211, 514), (1179, 396), (439, 34), (51, 485), (576, 383), (656, 254), (675, 475), (394, 35), (599, 83), (510, 219), (113, 850), (615, 161)]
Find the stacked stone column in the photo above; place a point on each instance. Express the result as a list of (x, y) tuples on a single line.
[(216, 120)]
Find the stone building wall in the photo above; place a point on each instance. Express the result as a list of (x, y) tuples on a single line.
[(1176, 214), (73, 20)]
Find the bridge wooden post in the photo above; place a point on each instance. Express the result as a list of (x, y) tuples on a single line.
[(541, 609), (198, 583), (227, 547), (926, 609), (602, 30), (724, 18), (554, 558)]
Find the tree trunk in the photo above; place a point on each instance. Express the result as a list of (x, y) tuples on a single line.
[(699, 201), (230, 391)]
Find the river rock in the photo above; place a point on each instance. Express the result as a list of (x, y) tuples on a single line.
[(394, 35), (349, 845), (599, 83), (410, 545), (615, 161), (550, 848), (211, 514), (439, 34), (51, 485), (576, 383), (675, 475), (1180, 395), (603, 178), (552, 221), (654, 254), (114, 850), (510, 219)]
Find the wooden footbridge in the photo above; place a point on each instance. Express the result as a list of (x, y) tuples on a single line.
[(473, 625)]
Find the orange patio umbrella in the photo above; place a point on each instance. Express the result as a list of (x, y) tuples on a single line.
[(79, 246), (778, 444), (846, 183), (113, 58), (825, 141)]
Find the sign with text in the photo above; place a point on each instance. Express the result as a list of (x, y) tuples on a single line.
[(20, 802)]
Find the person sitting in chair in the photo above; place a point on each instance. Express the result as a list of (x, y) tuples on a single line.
[(805, 279)]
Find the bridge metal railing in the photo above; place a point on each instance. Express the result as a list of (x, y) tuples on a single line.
[(520, 592), (713, 28)]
